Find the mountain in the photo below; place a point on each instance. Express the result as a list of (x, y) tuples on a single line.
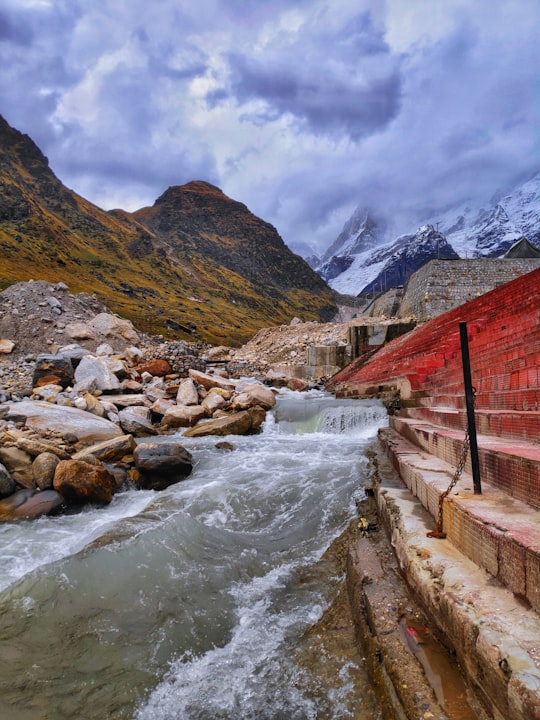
[(196, 264), (367, 254)]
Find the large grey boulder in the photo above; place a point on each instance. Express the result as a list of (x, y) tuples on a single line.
[(94, 373), (44, 416)]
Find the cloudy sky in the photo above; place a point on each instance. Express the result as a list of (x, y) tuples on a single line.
[(301, 109)]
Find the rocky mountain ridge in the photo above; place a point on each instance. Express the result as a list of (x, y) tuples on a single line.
[(353, 262), (197, 265)]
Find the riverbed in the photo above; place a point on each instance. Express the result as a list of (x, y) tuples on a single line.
[(190, 603)]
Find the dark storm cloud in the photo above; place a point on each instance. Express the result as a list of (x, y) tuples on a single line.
[(344, 81), (301, 109)]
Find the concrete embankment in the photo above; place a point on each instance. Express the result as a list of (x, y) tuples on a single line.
[(478, 579), (443, 637)]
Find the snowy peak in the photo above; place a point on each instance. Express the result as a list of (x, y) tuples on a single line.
[(360, 259)]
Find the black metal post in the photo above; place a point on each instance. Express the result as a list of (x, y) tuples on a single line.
[(469, 400)]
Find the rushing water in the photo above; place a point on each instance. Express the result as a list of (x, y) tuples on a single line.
[(189, 603)]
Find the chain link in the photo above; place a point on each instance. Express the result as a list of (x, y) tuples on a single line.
[(439, 533)]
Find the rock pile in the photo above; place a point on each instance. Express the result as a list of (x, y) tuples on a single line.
[(72, 437)]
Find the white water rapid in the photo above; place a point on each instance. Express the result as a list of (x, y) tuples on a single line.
[(188, 604)]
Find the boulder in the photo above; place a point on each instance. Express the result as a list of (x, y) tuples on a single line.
[(258, 416), (108, 451), (42, 416), (162, 464), (119, 332), (211, 381), (19, 465), (187, 392), (155, 367), (43, 469), (183, 416), (6, 346), (137, 421), (252, 395), (80, 482), (52, 370), (160, 406), (7, 483), (212, 402), (236, 424), (73, 352), (123, 401), (37, 447), (26, 504), (93, 373)]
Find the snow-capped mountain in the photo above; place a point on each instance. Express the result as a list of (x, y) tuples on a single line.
[(366, 255)]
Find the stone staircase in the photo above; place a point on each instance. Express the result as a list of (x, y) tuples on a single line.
[(499, 529)]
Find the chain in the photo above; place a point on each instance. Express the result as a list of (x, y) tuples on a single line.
[(439, 533)]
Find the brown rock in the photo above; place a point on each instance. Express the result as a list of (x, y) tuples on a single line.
[(19, 465), (187, 393), (154, 367), (252, 395), (161, 464), (6, 346), (43, 469), (258, 416), (108, 451), (80, 482), (37, 447), (211, 381), (183, 416), (26, 504), (236, 424)]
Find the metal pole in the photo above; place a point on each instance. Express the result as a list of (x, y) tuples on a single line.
[(469, 400)]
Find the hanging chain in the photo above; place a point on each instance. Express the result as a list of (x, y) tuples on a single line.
[(439, 533)]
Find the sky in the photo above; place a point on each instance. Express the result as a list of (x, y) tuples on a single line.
[(301, 109)]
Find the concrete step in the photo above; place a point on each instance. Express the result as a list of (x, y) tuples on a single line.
[(498, 533), (495, 636), (500, 423), (510, 465)]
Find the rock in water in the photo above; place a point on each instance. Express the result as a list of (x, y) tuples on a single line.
[(80, 482), (162, 464), (26, 504)]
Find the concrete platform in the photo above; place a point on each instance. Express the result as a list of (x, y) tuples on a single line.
[(493, 631)]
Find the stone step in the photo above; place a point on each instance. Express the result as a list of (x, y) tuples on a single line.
[(497, 532), (499, 423), (510, 465), (493, 632)]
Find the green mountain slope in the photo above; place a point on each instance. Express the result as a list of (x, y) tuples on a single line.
[(196, 265)]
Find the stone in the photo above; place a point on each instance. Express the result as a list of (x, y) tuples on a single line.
[(154, 367), (258, 416), (44, 417), (36, 447), (80, 482), (94, 406), (160, 406), (80, 331), (43, 469), (116, 329), (6, 346), (73, 352), (122, 401), (108, 451), (213, 402), (183, 416), (53, 366), (26, 504), (7, 483), (162, 464), (93, 373), (211, 381), (19, 465), (137, 421), (104, 349), (236, 424), (252, 395), (187, 393)]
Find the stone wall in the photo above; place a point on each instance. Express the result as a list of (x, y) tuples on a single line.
[(441, 285)]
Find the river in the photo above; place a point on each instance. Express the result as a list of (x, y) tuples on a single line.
[(189, 604)]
